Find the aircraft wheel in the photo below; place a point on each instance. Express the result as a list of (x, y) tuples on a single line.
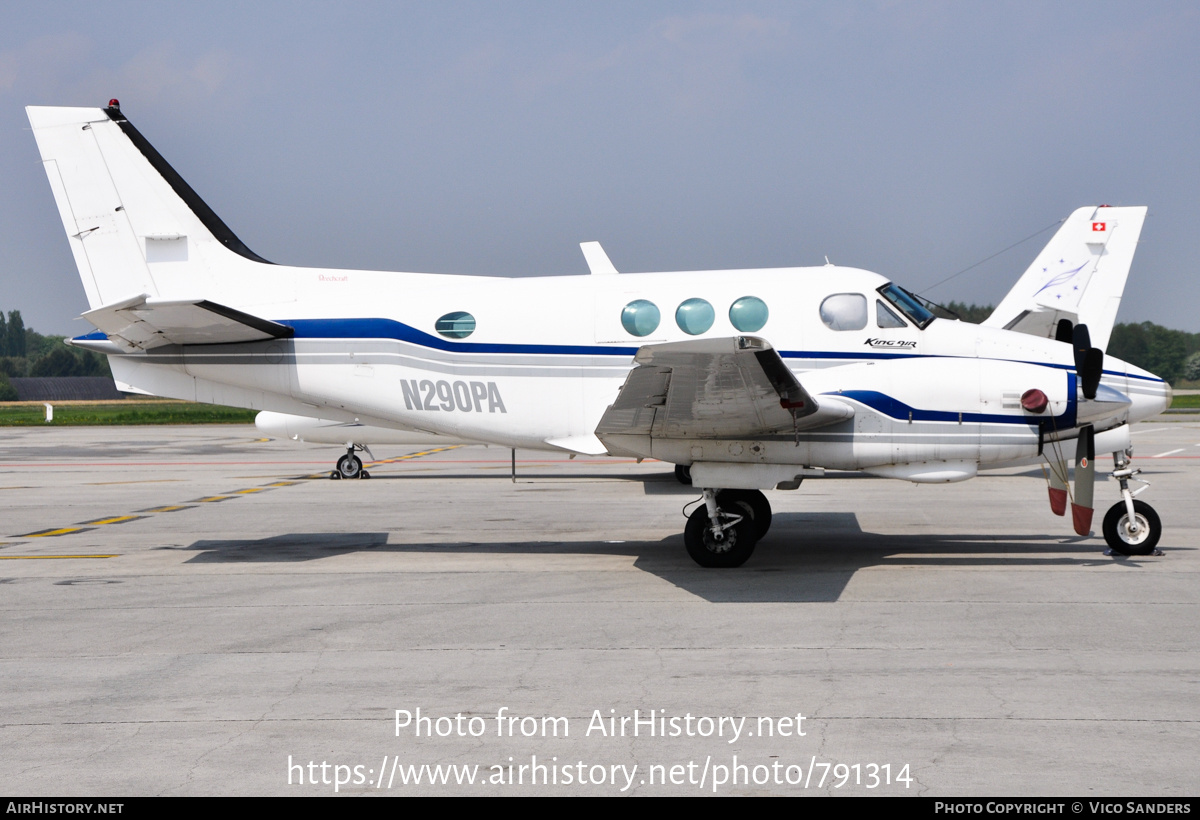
[(1118, 536), (683, 474), (349, 466), (749, 502), (731, 551)]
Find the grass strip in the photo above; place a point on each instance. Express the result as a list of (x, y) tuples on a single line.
[(123, 412)]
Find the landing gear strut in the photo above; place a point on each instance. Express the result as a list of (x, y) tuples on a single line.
[(723, 532), (350, 465), (748, 502), (1131, 527)]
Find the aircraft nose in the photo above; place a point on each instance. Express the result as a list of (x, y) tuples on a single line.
[(1149, 401)]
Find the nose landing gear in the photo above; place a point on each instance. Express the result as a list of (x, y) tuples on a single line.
[(1131, 527)]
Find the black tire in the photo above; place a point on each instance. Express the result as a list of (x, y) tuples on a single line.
[(349, 466), (1118, 537), (683, 474), (733, 551), (748, 502)]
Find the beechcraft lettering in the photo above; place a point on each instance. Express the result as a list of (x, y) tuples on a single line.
[(745, 380)]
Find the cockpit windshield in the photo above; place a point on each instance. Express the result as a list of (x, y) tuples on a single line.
[(911, 306)]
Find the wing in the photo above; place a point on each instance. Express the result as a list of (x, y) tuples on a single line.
[(144, 323), (732, 388)]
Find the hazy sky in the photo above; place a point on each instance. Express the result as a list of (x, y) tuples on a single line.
[(913, 139)]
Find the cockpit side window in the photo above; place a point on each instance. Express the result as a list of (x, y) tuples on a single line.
[(844, 311), (907, 304), (885, 318)]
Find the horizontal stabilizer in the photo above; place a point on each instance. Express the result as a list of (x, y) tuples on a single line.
[(144, 323), (714, 388)]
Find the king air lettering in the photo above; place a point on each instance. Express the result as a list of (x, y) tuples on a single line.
[(465, 397), (890, 343)]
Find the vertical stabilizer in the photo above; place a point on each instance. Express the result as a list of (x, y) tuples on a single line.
[(134, 226), (1079, 276)]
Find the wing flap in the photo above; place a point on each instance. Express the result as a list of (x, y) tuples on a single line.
[(144, 323), (732, 388)]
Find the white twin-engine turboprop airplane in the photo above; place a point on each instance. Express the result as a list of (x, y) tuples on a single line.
[(749, 379)]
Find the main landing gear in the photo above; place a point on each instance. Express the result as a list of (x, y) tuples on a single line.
[(350, 465), (1131, 527), (725, 529)]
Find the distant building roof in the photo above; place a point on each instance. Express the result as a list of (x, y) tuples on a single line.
[(66, 388)]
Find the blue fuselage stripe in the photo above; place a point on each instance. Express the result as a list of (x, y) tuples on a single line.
[(391, 329)]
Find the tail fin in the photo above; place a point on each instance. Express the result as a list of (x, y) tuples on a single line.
[(135, 227), (1080, 275)]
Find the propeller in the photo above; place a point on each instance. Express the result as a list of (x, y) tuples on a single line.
[(1058, 486), (1085, 480), (1062, 333), (1089, 361)]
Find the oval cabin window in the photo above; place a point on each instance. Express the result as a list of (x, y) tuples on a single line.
[(844, 311), (748, 314), (695, 316), (640, 317), (456, 325)]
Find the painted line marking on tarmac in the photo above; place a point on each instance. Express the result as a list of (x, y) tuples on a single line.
[(415, 455), (212, 499), (116, 519), (315, 476), (51, 557), (1168, 453)]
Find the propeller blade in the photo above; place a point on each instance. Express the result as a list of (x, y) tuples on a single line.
[(1085, 480), (1081, 340), (1064, 331), (1058, 487), (1089, 374), (1089, 361)]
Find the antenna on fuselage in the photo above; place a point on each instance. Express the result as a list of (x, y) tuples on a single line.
[(597, 260)]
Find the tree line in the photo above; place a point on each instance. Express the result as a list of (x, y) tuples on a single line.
[(25, 352), (1171, 354)]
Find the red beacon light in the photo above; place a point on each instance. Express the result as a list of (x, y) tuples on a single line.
[(1035, 401), (114, 103)]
